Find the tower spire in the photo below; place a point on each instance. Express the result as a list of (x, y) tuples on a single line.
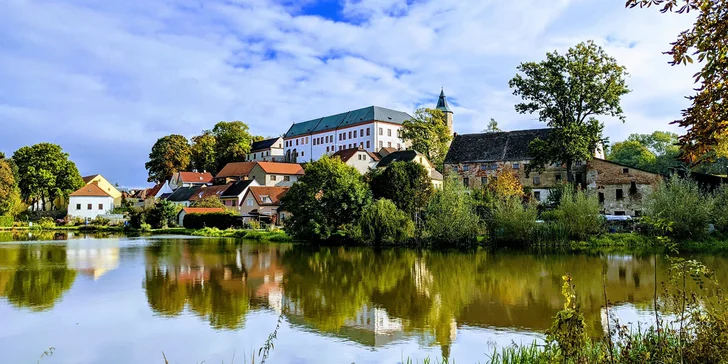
[(442, 102)]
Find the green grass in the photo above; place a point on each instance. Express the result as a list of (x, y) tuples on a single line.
[(264, 235)]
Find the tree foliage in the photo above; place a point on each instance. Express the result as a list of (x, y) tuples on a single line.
[(568, 92), (632, 153), (45, 173), (428, 133), (707, 43), (406, 184), (10, 202), (162, 215), (382, 222), (232, 142), (505, 184), (450, 218), (328, 198), (492, 127), (170, 154), (657, 152), (202, 151), (210, 202)]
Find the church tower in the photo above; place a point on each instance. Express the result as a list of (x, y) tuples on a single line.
[(442, 106)]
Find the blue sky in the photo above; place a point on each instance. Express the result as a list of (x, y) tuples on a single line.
[(105, 79)]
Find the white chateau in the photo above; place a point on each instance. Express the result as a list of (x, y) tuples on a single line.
[(371, 128)]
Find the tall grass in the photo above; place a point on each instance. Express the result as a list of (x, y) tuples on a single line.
[(680, 203)]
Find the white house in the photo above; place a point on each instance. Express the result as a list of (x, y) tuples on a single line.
[(269, 150), (358, 158), (90, 201)]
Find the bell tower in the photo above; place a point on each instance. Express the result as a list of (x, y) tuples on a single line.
[(442, 106)]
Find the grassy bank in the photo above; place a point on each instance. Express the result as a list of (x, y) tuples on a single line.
[(264, 235)]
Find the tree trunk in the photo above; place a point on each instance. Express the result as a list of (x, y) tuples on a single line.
[(569, 171)]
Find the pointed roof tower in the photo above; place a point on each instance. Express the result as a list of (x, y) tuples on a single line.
[(442, 102)]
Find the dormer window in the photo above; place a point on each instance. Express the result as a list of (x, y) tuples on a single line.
[(266, 199)]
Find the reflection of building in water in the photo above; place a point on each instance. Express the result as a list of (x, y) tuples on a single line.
[(93, 257)]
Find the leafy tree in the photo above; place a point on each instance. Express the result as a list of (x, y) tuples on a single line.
[(163, 214), (170, 154), (450, 217), (492, 127), (568, 92), (203, 152), (707, 41), (428, 133), (44, 173), (328, 197), (632, 153), (209, 202), (9, 194), (657, 152), (406, 184), (233, 142), (382, 222), (506, 184), (258, 138)]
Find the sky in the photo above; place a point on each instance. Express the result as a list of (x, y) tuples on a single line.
[(106, 79)]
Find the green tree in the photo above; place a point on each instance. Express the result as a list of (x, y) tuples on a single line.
[(9, 194), (568, 92), (209, 202), (233, 142), (428, 133), (707, 42), (328, 198), (40, 278), (202, 151), (450, 217), (492, 127), (382, 222), (657, 152), (406, 184), (163, 214), (632, 153), (45, 174), (170, 154)]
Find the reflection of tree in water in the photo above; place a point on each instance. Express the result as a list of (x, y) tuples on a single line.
[(211, 280), (34, 276)]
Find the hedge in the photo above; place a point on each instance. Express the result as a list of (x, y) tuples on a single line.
[(220, 220), (6, 221)]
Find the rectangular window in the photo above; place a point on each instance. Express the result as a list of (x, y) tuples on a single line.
[(536, 180), (286, 178), (301, 154), (483, 167), (306, 140), (273, 177), (354, 133), (578, 163), (368, 131), (537, 195), (368, 144), (619, 213), (399, 146), (601, 197), (78, 206), (327, 149), (483, 181), (89, 207), (389, 144), (620, 194), (250, 201), (101, 206), (494, 166), (349, 135), (466, 168), (381, 131), (361, 132), (455, 169), (558, 178), (516, 165), (399, 133), (381, 144), (625, 170), (389, 132), (633, 188), (296, 141), (466, 182)]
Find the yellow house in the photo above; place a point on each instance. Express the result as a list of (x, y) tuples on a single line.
[(105, 185)]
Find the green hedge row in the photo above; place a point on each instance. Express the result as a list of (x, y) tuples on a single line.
[(218, 220), (6, 221)]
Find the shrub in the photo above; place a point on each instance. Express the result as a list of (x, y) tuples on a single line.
[(680, 203), (45, 223), (163, 214), (450, 217), (220, 220), (145, 227), (513, 221), (253, 224), (382, 222), (100, 221), (720, 209), (6, 221), (578, 213)]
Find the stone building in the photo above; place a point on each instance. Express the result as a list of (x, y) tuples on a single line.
[(621, 189)]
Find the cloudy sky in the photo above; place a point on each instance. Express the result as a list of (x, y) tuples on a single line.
[(105, 79)]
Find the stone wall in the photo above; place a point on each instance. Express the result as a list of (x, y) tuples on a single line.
[(608, 178)]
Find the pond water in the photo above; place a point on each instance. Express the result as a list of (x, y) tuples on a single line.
[(127, 300)]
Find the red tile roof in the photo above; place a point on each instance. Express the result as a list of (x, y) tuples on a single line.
[(91, 190), (210, 191), (202, 210), (275, 194), (236, 169), (152, 192), (281, 168), (196, 177)]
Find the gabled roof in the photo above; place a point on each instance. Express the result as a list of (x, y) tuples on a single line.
[(442, 103), (263, 144), (90, 178), (202, 210), (491, 147), (152, 192), (345, 119), (237, 188), (205, 192), (196, 177), (399, 156), (274, 193), (236, 169), (435, 175), (90, 190), (347, 154), (183, 194), (281, 168)]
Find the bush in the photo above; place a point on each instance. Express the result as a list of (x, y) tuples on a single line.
[(578, 213), (100, 221), (720, 209), (680, 204), (513, 221), (45, 223), (163, 214), (220, 220), (6, 221), (382, 222), (450, 217)]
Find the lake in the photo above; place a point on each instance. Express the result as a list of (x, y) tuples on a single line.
[(127, 300)]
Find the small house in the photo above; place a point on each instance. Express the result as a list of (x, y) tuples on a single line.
[(263, 203), (359, 158), (182, 196), (89, 202), (190, 179), (233, 196), (621, 189), (276, 174), (269, 150), (233, 172), (207, 192), (416, 157)]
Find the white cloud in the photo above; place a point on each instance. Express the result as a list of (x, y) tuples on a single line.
[(105, 79)]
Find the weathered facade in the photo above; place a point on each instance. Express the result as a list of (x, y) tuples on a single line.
[(621, 189)]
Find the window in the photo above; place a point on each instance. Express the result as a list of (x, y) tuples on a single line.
[(399, 133), (494, 166), (381, 131), (354, 133), (483, 167), (537, 195), (273, 177), (536, 180), (78, 206), (578, 163), (601, 197), (633, 188), (250, 201), (619, 213), (516, 165), (368, 131), (349, 135), (301, 153), (483, 181), (625, 170), (306, 140), (466, 182), (368, 143), (361, 132), (455, 169), (265, 199), (389, 144), (89, 207), (381, 144), (286, 178), (327, 149), (101, 206), (620, 194), (558, 178), (296, 141), (389, 132), (465, 167), (399, 146)]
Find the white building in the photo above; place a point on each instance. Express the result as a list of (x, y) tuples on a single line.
[(370, 128), (269, 150), (362, 160), (89, 202)]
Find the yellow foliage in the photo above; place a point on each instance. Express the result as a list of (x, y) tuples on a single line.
[(506, 183)]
